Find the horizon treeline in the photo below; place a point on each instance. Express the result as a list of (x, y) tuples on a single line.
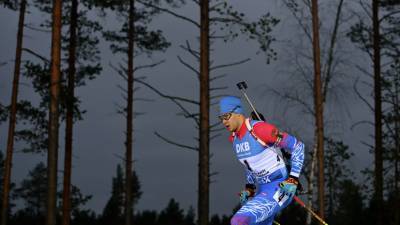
[(27, 205)]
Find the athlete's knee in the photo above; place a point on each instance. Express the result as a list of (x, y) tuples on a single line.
[(240, 220)]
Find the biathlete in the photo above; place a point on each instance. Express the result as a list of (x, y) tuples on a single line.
[(269, 188)]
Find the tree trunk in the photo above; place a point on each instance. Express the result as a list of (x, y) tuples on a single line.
[(378, 115), (310, 186), (129, 119), (318, 105), (66, 216), (328, 76), (331, 185), (204, 132), (54, 114), (397, 152), (13, 116)]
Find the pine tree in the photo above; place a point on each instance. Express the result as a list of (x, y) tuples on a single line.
[(132, 39), (37, 69), (146, 217), (11, 204), (12, 116), (33, 192), (113, 212), (378, 39), (172, 214), (336, 173), (350, 204), (53, 130)]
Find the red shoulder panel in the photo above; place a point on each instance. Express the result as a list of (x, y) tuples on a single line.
[(266, 132)]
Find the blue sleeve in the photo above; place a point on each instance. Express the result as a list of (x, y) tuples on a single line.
[(249, 177), (296, 149)]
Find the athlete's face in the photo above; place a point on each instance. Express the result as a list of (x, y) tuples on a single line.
[(231, 121)]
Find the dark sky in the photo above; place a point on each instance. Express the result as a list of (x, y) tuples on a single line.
[(166, 171)]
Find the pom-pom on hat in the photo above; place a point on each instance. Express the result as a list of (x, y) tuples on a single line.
[(230, 104)]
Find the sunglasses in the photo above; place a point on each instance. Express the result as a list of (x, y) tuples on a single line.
[(227, 116)]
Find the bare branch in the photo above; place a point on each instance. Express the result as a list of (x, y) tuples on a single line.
[(214, 7), (390, 129), (192, 115), (367, 8), (215, 125), (229, 64), (361, 97), (143, 99), (175, 143), (218, 88), (216, 96), (368, 145), (226, 20), (214, 136), (122, 88), (189, 66), (295, 99), (188, 48), (299, 20), (213, 174), (36, 29), (36, 54), (119, 157), (364, 70), (119, 71), (328, 75), (169, 12), (141, 77), (124, 96), (389, 15), (148, 66), (217, 130), (219, 36), (167, 96), (360, 123), (174, 99), (120, 109), (135, 89), (218, 77)]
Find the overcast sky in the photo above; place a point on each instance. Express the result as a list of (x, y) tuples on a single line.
[(166, 171)]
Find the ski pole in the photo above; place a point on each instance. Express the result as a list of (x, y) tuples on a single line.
[(298, 200), (242, 86), (276, 223)]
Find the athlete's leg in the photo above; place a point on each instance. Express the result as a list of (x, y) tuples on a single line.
[(262, 209), (268, 221)]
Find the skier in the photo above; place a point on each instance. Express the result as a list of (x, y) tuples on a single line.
[(256, 144)]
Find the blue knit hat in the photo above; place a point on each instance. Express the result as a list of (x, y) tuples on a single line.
[(230, 104)]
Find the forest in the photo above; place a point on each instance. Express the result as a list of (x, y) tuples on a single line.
[(109, 108)]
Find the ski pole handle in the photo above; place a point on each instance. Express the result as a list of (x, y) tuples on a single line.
[(242, 86), (298, 200)]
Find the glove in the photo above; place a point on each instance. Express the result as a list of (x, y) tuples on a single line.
[(289, 186), (248, 192)]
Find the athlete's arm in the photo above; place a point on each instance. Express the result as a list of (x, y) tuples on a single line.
[(250, 179), (271, 135)]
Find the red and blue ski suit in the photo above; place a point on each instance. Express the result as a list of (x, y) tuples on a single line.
[(257, 146)]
